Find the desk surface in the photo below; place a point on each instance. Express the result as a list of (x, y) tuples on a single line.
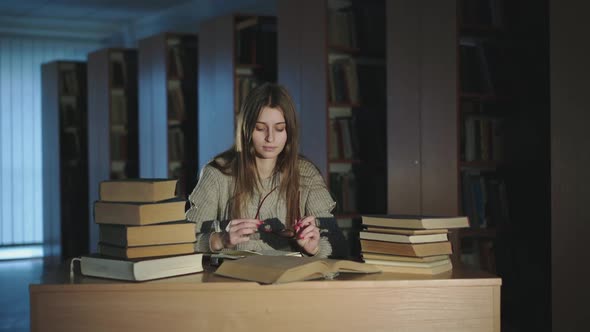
[(460, 300), (57, 274)]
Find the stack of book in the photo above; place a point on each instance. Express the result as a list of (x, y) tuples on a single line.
[(142, 223), (409, 244)]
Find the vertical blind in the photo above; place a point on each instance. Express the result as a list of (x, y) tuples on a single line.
[(20, 131)]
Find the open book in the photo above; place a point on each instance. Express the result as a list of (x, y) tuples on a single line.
[(283, 269)]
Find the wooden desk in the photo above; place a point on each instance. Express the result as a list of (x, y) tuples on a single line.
[(461, 301)]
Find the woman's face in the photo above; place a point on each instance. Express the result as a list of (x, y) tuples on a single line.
[(270, 133)]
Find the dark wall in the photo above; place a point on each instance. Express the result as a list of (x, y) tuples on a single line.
[(525, 251), (570, 162)]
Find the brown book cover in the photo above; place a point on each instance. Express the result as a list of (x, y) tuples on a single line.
[(137, 190), (402, 238), (386, 257), (405, 231), (124, 213), (283, 269), (437, 269), (146, 251), (415, 222), (130, 236), (407, 249)]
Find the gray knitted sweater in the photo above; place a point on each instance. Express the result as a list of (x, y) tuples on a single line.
[(210, 202)]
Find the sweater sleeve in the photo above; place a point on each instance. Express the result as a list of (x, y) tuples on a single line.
[(204, 202), (319, 203)]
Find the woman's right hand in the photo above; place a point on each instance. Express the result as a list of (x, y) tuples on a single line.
[(237, 231)]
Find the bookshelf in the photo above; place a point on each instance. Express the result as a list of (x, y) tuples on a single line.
[(168, 109), (113, 149), (237, 52), (65, 182), (446, 117), (334, 66), (503, 55), (485, 104)]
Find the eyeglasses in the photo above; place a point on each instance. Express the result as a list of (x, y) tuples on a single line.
[(278, 228)]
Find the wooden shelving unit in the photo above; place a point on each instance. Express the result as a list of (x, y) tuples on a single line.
[(113, 149), (484, 101), (237, 53), (333, 65), (65, 163), (168, 91)]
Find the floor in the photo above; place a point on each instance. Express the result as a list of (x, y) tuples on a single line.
[(15, 277)]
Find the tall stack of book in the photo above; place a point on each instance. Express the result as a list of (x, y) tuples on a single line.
[(142, 223), (409, 244)]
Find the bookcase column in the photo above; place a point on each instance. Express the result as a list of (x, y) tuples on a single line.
[(422, 139), (216, 87)]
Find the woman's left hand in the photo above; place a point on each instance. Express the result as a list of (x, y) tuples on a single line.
[(308, 235)]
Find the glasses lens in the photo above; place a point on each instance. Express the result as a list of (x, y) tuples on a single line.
[(288, 233)]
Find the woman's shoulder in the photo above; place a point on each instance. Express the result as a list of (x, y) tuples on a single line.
[(307, 169), (212, 171)]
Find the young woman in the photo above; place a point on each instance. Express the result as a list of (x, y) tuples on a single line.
[(261, 194)]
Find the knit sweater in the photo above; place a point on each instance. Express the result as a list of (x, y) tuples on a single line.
[(210, 201)]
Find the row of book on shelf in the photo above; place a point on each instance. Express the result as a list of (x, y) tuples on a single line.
[(175, 144), (119, 70), (355, 26), (256, 40), (245, 82), (479, 252), (343, 187), (144, 235), (342, 27), (483, 138), (119, 113), (483, 68), (484, 199), (176, 105), (70, 116), (71, 145), (343, 79), (344, 142), (119, 145), (69, 84), (179, 53)]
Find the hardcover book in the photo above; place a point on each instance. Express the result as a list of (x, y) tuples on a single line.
[(396, 258), (405, 231), (146, 251), (124, 213), (407, 249), (140, 270), (283, 269), (427, 270), (415, 222), (434, 267), (137, 190), (401, 238), (130, 236)]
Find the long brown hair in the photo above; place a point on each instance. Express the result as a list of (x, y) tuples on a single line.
[(240, 160)]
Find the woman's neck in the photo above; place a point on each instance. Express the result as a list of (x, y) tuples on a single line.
[(265, 167)]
